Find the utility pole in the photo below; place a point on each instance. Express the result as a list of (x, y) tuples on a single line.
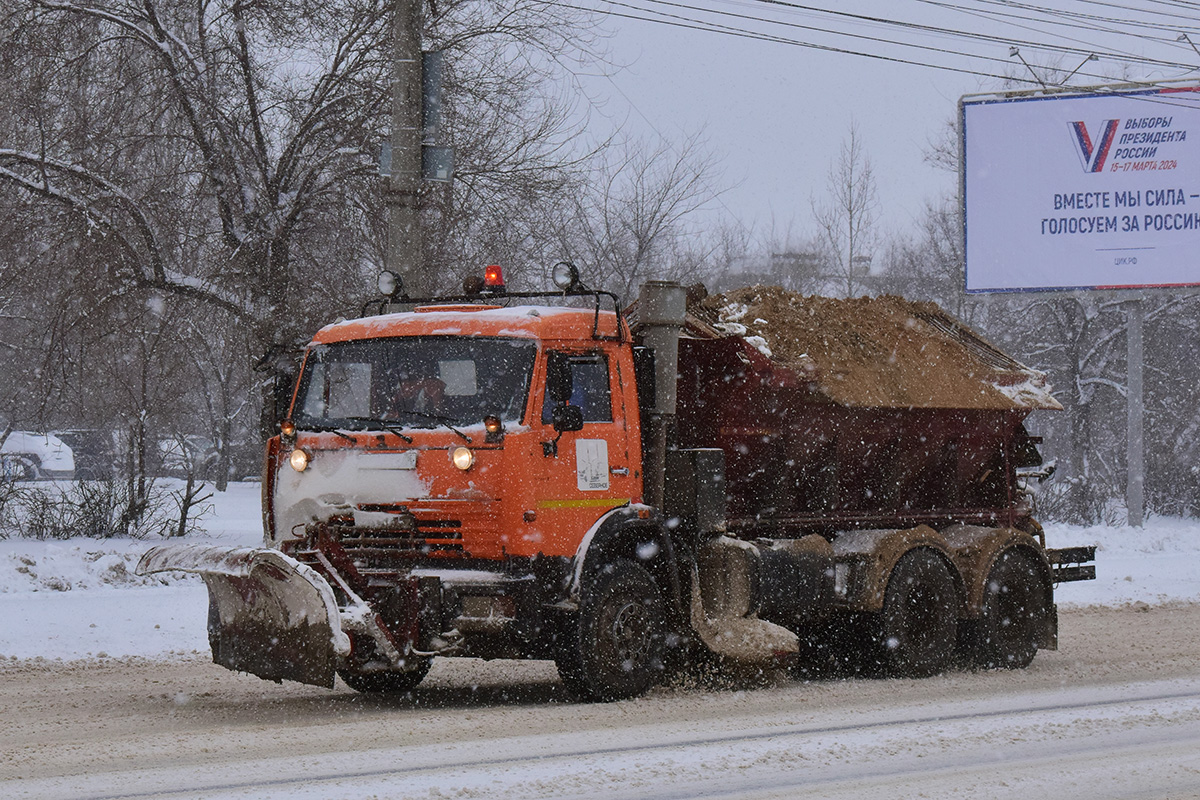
[(405, 247)]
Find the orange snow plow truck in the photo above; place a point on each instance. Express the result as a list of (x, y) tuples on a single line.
[(756, 476)]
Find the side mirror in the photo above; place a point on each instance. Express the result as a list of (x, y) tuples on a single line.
[(559, 383), (281, 393), (566, 418)]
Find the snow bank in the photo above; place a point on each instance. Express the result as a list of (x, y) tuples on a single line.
[(153, 622), (29, 566), (81, 599)]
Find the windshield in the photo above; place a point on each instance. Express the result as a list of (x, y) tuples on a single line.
[(414, 382)]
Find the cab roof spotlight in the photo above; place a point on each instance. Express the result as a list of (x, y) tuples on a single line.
[(494, 428), (391, 285), (565, 276)]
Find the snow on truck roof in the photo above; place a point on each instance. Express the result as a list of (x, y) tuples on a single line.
[(867, 352), (874, 351), (534, 322)]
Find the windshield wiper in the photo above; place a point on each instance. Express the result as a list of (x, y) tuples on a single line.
[(327, 429), (441, 420), (382, 425)]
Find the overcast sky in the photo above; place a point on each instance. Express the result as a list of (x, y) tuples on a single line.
[(776, 113)]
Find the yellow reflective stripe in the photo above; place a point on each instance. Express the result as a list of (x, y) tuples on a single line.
[(591, 502)]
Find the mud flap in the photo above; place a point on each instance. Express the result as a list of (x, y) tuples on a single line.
[(733, 632), (274, 617)]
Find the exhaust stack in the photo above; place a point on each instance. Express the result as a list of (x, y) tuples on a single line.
[(662, 311)]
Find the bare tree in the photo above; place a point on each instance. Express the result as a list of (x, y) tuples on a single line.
[(846, 221), (776, 256), (1173, 409), (224, 152), (1079, 339), (637, 218), (219, 360), (942, 149), (930, 265)]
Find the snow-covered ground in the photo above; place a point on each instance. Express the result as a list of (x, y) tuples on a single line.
[(80, 598)]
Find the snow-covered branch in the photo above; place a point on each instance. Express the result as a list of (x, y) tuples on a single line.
[(45, 166), (151, 271), (1097, 381)]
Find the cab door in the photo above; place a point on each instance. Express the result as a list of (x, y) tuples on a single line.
[(592, 470)]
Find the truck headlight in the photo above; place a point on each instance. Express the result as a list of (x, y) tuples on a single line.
[(299, 460), (462, 457)]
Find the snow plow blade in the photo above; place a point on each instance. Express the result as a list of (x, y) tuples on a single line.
[(268, 614)]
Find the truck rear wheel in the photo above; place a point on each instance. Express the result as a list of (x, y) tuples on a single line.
[(1015, 603), (388, 681), (612, 647), (920, 616)]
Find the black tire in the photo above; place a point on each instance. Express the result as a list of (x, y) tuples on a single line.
[(387, 682), (919, 622), (1016, 601), (612, 647)]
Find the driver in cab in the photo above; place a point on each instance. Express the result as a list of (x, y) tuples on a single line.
[(417, 390)]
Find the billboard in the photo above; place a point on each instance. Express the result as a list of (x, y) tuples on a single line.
[(1098, 190)]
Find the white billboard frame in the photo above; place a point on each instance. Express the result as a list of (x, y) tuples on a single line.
[(1040, 209)]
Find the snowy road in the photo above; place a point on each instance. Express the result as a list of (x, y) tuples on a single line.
[(1050, 741), (1114, 713)]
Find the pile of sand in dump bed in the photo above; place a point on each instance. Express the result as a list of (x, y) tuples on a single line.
[(878, 351)]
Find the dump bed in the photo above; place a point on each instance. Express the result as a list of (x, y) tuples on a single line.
[(864, 413)]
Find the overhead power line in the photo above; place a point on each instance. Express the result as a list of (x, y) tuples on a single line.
[(1032, 23), (699, 25), (946, 32), (945, 58)]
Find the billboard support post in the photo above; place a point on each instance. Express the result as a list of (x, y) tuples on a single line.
[(1135, 466)]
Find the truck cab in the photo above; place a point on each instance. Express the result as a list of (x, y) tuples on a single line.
[(439, 419)]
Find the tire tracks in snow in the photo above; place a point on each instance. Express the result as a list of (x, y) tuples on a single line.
[(1033, 741)]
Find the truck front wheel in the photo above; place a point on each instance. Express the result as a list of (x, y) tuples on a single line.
[(612, 647), (1015, 603), (920, 616)]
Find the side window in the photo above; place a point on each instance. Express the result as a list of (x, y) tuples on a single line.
[(590, 389)]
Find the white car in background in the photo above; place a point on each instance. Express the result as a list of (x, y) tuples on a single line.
[(36, 456)]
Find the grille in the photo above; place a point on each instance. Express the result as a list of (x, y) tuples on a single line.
[(427, 537), (436, 529)]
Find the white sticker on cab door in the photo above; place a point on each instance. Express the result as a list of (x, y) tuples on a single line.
[(591, 464)]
